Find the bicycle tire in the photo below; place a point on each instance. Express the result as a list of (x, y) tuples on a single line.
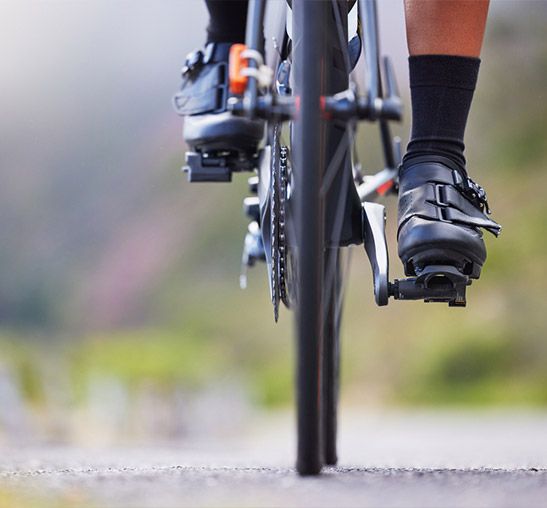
[(309, 55), (315, 144)]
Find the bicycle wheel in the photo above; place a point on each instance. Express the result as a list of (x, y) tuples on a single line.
[(309, 148), (322, 201), (331, 361)]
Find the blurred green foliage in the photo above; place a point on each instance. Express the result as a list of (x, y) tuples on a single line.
[(24, 360)]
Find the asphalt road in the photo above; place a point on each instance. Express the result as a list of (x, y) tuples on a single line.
[(395, 459)]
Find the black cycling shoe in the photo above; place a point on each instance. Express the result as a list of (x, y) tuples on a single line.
[(441, 213), (220, 143)]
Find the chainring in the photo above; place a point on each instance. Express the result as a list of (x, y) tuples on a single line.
[(278, 201), (274, 224), (283, 244)]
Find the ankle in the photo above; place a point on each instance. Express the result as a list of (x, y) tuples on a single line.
[(442, 89), (446, 152)]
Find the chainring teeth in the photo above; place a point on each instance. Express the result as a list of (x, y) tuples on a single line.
[(278, 189), (283, 167), (274, 208)]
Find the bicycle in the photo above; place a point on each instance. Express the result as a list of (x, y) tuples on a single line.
[(311, 198)]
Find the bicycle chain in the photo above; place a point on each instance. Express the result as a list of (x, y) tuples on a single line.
[(278, 194), (274, 210), (283, 180)]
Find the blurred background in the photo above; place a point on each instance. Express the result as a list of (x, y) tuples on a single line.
[(121, 319)]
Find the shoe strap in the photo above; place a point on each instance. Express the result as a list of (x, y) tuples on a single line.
[(446, 196), (204, 86), (204, 90)]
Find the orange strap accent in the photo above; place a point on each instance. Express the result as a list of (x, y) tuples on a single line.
[(384, 188), (238, 82)]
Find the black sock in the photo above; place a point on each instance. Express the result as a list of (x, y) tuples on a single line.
[(227, 20), (442, 89)]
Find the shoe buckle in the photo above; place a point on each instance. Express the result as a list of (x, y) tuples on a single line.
[(441, 204), (479, 194), (193, 59), (440, 195), (472, 191), (442, 214)]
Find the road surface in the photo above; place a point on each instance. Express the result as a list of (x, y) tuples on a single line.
[(392, 459)]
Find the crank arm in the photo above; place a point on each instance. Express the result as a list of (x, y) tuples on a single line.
[(374, 234)]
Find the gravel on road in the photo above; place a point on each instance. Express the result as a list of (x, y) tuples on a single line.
[(392, 459)]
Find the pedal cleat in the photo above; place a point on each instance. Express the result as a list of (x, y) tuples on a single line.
[(434, 284), (217, 167)]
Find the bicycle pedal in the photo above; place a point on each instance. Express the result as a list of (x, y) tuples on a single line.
[(436, 283), (217, 167)]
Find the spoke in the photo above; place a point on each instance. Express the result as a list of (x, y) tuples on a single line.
[(332, 169), (341, 35), (334, 165), (330, 272), (343, 282), (357, 169), (344, 149)]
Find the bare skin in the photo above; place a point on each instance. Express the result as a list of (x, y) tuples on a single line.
[(445, 27)]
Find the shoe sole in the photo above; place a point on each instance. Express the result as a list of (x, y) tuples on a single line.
[(415, 262)]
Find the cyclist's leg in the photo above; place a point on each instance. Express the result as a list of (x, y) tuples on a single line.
[(227, 20), (445, 27), (444, 40), (209, 128)]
